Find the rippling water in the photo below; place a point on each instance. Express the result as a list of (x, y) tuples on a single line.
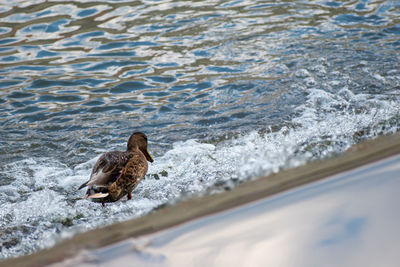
[(225, 90)]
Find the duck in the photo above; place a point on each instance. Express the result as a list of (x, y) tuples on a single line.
[(117, 173)]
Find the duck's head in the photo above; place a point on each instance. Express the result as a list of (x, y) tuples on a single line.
[(139, 140)]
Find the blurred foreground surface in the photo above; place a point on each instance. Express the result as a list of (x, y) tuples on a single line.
[(349, 219)]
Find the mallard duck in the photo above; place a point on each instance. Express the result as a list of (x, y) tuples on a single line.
[(117, 173)]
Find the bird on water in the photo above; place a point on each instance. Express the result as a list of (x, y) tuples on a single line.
[(117, 173)]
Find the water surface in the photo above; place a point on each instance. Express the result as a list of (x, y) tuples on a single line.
[(225, 90)]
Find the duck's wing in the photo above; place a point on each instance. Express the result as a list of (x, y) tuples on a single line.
[(132, 173), (107, 168)]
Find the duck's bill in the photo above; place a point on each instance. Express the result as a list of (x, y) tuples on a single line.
[(147, 155)]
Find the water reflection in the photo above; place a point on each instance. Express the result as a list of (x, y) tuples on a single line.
[(146, 50), (350, 219)]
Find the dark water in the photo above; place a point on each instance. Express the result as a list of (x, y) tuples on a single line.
[(225, 90)]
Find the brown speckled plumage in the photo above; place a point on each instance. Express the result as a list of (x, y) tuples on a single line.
[(134, 171), (117, 173)]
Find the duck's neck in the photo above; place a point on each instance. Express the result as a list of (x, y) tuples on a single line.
[(132, 148)]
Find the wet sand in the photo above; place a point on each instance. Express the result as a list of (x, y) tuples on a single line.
[(263, 187)]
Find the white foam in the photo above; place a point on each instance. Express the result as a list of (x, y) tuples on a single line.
[(379, 77)]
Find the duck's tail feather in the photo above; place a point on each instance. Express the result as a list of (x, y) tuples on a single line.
[(83, 185), (97, 195)]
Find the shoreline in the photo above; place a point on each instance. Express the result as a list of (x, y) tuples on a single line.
[(187, 210)]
